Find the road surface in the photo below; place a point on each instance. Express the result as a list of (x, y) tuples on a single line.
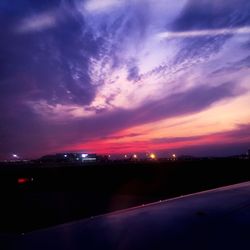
[(215, 219)]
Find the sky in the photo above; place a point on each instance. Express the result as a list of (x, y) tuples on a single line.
[(124, 76)]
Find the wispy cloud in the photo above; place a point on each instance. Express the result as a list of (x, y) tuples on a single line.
[(37, 22), (115, 137), (102, 6), (58, 112), (202, 33)]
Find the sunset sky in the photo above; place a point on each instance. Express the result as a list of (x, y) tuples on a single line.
[(120, 76)]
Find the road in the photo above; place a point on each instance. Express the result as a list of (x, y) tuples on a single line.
[(215, 219)]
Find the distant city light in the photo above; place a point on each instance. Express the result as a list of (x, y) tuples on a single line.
[(125, 156), (134, 156), (84, 155), (174, 155), (65, 156), (15, 155), (152, 156)]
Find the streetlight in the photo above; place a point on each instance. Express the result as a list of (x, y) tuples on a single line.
[(84, 155), (152, 156)]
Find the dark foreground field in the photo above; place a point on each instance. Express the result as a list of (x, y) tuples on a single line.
[(60, 193)]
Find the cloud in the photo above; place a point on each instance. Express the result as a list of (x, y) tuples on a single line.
[(133, 73), (78, 71), (56, 60), (188, 102), (212, 14), (193, 100), (101, 6), (234, 66), (58, 112), (131, 135), (37, 22), (200, 21), (176, 139), (202, 33), (134, 68), (240, 132)]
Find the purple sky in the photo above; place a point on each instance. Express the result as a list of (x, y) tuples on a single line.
[(118, 76)]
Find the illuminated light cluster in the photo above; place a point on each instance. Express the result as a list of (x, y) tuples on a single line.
[(84, 155), (134, 156), (152, 156), (174, 157)]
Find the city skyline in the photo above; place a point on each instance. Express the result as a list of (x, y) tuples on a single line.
[(116, 76)]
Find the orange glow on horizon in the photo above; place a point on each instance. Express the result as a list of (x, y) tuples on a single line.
[(209, 127), (112, 147)]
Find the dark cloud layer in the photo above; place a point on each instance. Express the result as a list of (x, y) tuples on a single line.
[(213, 14), (48, 63), (217, 149), (241, 132), (209, 15)]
